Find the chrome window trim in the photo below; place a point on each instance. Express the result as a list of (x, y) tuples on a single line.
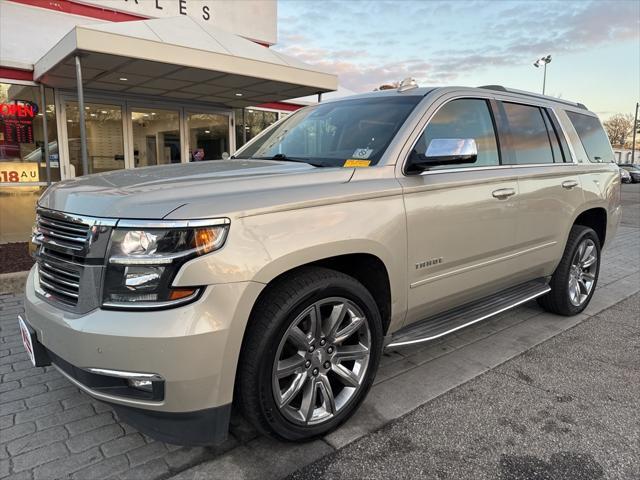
[(492, 167), (511, 99)]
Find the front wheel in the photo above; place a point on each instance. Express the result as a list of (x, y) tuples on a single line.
[(310, 354), (574, 281)]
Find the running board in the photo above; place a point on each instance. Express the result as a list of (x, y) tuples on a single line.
[(460, 317)]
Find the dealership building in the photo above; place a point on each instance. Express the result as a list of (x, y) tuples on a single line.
[(89, 86)]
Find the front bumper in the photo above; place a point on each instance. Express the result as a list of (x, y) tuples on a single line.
[(193, 348)]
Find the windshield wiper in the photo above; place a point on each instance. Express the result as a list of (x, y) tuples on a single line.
[(284, 158)]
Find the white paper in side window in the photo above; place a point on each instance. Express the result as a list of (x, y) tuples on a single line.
[(362, 153)]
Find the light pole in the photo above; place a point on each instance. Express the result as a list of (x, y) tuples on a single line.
[(543, 61), (636, 128)]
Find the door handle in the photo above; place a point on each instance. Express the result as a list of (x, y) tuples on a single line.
[(569, 184), (503, 193)]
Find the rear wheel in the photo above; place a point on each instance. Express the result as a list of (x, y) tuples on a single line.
[(574, 281), (310, 354)]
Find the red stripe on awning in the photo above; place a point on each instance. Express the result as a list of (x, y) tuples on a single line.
[(280, 106), (73, 8), (15, 74)]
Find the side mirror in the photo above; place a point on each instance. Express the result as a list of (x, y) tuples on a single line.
[(444, 151)]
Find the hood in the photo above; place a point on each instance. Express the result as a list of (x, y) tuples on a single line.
[(154, 192)]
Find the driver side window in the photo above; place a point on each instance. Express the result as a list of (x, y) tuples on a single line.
[(462, 119)]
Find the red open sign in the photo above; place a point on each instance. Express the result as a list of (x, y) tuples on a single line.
[(18, 109)]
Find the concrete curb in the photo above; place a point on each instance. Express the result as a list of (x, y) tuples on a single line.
[(13, 282)]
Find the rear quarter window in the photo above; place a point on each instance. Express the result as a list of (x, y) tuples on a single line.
[(593, 137)]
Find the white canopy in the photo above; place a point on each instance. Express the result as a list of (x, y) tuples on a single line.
[(176, 58)]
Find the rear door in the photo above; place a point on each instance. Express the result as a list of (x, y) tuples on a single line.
[(548, 182)]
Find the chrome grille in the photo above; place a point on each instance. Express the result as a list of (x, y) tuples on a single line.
[(60, 280), (63, 245), (62, 233), (70, 258)]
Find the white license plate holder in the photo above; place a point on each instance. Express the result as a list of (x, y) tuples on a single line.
[(37, 353)]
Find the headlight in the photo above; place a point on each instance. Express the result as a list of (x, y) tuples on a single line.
[(143, 261)]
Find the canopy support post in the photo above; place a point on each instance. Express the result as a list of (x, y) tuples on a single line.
[(244, 126), (83, 128), (43, 103)]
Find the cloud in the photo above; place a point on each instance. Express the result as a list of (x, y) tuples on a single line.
[(363, 44)]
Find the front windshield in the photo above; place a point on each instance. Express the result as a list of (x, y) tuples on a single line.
[(330, 134)]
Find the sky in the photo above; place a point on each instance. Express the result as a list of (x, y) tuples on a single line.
[(595, 45)]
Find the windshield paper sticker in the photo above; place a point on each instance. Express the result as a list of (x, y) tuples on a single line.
[(362, 153), (354, 162)]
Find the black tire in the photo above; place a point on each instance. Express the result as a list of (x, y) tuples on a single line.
[(558, 299), (271, 317)]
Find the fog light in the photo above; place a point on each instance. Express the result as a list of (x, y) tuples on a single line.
[(141, 384)]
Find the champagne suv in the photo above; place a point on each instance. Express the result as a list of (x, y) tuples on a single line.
[(274, 280)]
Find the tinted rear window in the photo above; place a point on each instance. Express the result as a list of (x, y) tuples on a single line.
[(593, 138), (528, 134)]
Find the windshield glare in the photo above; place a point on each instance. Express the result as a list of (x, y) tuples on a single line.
[(329, 134)]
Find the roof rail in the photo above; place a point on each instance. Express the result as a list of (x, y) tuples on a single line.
[(500, 88)]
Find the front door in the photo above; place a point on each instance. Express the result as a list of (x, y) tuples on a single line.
[(461, 219), (155, 136), (208, 136)]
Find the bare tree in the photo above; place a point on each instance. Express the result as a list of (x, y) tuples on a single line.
[(618, 128)]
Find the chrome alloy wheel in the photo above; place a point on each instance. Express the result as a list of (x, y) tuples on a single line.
[(582, 273), (321, 361)]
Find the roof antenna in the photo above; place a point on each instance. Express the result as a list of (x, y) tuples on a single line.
[(408, 83)]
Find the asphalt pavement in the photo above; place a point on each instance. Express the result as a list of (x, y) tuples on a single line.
[(630, 199), (568, 409)]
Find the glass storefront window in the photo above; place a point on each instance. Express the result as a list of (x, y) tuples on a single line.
[(208, 136), (17, 212), (17, 215), (253, 122), (156, 136), (22, 135), (23, 164), (105, 143)]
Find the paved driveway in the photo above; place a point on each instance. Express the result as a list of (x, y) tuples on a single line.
[(568, 409), (49, 429)]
